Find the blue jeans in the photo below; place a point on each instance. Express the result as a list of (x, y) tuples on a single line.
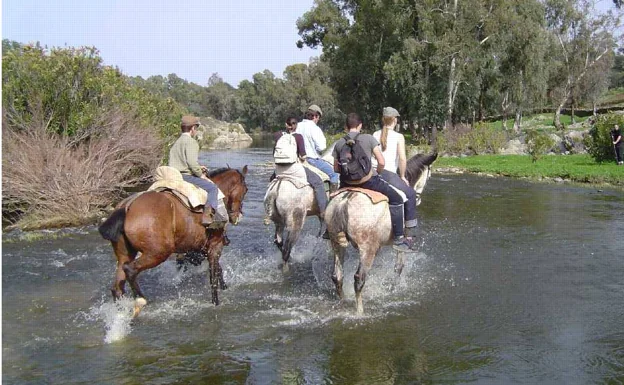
[(319, 189), (327, 168), (209, 186), (409, 206)]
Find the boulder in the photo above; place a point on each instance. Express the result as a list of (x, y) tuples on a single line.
[(223, 135), (514, 147)]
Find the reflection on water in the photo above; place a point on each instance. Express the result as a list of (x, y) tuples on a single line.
[(515, 283)]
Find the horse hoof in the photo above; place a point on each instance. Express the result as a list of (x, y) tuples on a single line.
[(285, 268), (139, 303)]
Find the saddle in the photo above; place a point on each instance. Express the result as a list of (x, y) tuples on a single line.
[(170, 179), (374, 196)]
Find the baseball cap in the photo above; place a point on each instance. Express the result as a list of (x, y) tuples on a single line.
[(315, 108)]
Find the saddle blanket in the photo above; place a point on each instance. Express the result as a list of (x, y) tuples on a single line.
[(295, 181), (169, 178), (374, 196)]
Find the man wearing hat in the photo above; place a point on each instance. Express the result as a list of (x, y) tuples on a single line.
[(183, 156), (315, 143)]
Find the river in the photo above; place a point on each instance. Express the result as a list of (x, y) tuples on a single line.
[(516, 283)]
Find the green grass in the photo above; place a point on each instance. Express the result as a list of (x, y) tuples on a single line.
[(576, 168)]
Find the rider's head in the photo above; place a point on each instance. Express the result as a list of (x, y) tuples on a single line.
[(353, 121), (291, 124), (314, 112)]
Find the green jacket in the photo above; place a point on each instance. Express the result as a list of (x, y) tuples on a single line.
[(183, 155)]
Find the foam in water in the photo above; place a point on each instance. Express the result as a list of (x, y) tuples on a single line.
[(117, 317)]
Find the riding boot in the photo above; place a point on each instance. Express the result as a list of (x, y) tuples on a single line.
[(220, 218), (207, 215), (333, 187)]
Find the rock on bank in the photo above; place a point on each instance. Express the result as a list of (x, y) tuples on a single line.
[(223, 135)]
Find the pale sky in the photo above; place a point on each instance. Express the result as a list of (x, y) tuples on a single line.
[(191, 38)]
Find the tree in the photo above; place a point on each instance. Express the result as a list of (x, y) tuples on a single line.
[(582, 39)]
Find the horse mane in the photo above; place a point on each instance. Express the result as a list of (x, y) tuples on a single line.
[(416, 164), (219, 171)]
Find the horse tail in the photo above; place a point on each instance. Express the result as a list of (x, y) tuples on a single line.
[(112, 228), (342, 216), (270, 204)]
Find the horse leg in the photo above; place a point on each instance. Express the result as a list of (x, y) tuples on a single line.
[(216, 273), (132, 270), (289, 241), (337, 275), (293, 229), (359, 279), (400, 262), (278, 239), (124, 254)]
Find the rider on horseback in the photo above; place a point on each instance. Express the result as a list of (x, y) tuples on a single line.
[(372, 181), (315, 143), (393, 150), (296, 170), (183, 156)]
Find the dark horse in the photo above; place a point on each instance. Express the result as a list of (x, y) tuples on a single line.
[(157, 224)]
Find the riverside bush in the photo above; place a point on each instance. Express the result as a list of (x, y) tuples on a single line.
[(599, 142), (538, 143), (51, 180), (75, 133), (481, 139)]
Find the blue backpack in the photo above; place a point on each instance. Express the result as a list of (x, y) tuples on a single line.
[(354, 163)]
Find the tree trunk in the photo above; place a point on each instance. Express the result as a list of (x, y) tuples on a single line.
[(517, 121)]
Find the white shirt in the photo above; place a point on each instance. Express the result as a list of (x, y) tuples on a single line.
[(391, 155), (313, 138)]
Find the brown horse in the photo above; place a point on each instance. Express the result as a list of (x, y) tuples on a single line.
[(157, 224)]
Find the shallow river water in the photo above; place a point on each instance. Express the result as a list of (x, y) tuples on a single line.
[(516, 283)]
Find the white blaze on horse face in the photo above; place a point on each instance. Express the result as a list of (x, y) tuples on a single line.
[(420, 184)]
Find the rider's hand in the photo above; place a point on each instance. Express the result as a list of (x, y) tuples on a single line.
[(405, 180)]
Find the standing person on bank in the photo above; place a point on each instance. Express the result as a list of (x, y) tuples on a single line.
[(372, 181), (393, 150), (183, 156), (296, 169), (315, 143), (618, 144)]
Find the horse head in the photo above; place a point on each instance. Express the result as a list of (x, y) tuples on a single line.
[(418, 172), (232, 183)]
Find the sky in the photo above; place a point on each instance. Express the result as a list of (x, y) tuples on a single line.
[(191, 38)]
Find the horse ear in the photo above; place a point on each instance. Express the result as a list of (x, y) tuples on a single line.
[(228, 165), (244, 170)]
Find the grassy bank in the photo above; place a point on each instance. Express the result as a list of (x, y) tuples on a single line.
[(576, 168)]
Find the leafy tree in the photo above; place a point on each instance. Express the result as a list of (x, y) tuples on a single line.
[(538, 143), (599, 142), (582, 41)]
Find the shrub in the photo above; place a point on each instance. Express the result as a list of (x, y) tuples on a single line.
[(481, 139), (53, 179), (538, 143), (599, 142)]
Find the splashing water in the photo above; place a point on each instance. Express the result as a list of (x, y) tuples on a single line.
[(117, 317)]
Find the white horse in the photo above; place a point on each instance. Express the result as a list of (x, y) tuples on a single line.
[(352, 218), (287, 203)]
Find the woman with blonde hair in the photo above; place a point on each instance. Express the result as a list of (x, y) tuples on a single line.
[(393, 150)]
